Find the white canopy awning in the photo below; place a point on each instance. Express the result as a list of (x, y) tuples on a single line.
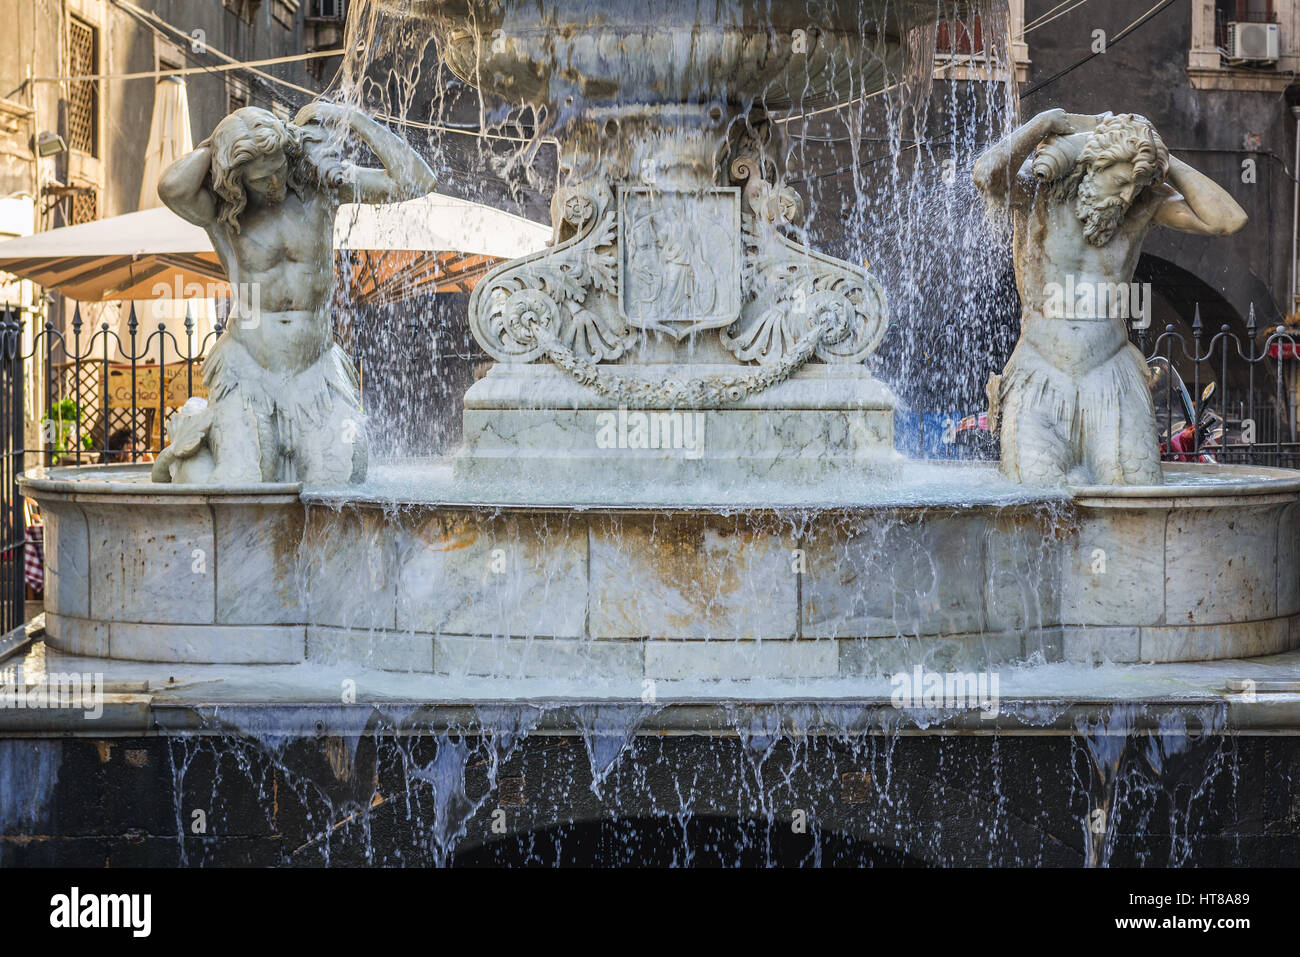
[(123, 257), (149, 232), (129, 256)]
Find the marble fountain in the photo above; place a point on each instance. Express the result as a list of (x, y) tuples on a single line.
[(678, 481), (276, 574), (680, 464)]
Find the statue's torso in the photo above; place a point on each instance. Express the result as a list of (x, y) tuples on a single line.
[(285, 266), (1055, 264)]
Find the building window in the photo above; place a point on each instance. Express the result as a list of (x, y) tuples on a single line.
[(325, 10), (960, 37), (283, 12), (246, 10), (1240, 11), (1209, 63), (324, 19), (167, 55), (83, 95), (237, 95), (963, 51), (83, 206)]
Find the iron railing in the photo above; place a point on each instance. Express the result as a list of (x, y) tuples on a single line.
[(1221, 21), (13, 535), (135, 355), (1226, 349), (94, 417)]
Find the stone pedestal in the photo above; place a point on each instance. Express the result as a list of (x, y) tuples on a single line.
[(680, 288), (533, 423)]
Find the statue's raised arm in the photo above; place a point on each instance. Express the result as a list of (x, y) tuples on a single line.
[(404, 173), (1001, 173), (183, 188), (1198, 204)]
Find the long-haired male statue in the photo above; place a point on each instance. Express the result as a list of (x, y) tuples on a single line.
[(283, 397), (1073, 400)]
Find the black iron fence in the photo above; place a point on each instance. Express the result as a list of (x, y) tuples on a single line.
[(101, 388), (1255, 424), (106, 398), (13, 536), (83, 420)]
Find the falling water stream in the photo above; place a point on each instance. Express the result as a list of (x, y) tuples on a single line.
[(885, 177), (803, 783)]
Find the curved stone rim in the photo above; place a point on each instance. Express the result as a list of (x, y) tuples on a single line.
[(1013, 588), (1258, 480), (79, 481), (541, 60)]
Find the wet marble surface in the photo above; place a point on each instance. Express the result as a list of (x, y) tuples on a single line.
[(1177, 572)]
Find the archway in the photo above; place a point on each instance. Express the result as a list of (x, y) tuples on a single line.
[(1176, 295), (696, 841)]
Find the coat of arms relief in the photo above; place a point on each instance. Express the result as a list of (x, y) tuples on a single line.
[(630, 260), (679, 256)]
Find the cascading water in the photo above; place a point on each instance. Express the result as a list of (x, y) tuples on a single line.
[(806, 784), (884, 175)]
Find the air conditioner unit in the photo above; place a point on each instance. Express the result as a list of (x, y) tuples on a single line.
[(1253, 43)]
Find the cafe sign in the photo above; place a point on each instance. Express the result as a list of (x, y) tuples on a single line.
[(147, 386)]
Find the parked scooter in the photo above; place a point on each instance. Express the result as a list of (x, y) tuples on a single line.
[(1189, 430)]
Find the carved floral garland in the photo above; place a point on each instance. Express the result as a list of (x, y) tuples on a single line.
[(531, 314)]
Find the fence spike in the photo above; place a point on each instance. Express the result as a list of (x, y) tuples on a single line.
[(76, 318), (1251, 324), (1196, 320)]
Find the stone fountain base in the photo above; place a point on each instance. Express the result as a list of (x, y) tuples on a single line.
[(1186, 572), (533, 421)]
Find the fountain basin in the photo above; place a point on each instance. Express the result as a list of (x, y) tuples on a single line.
[(1200, 569), (670, 51)]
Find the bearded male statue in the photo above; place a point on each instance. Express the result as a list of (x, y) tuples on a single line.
[(284, 398), (1073, 400)]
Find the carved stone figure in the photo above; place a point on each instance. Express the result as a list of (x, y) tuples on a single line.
[(1073, 400), (188, 460), (284, 401)]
